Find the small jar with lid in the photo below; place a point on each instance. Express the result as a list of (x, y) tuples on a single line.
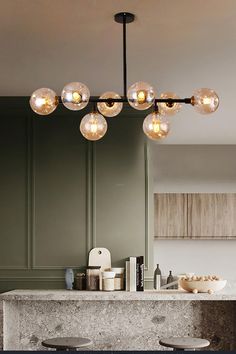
[(108, 281), (119, 278), (80, 281), (92, 278)]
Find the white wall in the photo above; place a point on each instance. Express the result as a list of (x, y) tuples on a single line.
[(196, 169), (200, 257)]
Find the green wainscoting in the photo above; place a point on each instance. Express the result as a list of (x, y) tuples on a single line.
[(62, 195)]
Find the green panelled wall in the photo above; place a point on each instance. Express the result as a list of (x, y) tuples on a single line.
[(62, 195)]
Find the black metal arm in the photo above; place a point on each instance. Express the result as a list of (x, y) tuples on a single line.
[(124, 99)]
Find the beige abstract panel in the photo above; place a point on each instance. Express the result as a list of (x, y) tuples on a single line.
[(170, 211)]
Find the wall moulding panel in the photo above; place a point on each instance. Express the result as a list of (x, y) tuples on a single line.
[(63, 195), (14, 250), (59, 194), (121, 191)]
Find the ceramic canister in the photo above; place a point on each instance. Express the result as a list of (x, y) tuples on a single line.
[(119, 278), (108, 281)]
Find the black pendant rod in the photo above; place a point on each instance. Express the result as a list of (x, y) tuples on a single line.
[(124, 57), (124, 18)]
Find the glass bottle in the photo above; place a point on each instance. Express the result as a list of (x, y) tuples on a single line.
[(80, 281), (170, 279), (93, 278), (157, 278)]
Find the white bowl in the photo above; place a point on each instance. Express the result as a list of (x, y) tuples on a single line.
[(202, 286)]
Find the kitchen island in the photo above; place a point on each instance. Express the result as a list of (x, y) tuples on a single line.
[(117, 320)]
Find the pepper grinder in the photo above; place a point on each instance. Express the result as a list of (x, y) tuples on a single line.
[(170, 279)]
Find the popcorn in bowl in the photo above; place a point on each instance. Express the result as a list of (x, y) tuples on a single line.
[(202, 284)]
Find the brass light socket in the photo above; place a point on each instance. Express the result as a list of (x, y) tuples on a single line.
[(192, 101)]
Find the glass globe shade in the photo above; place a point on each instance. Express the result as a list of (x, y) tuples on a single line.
[(166, 108), (75, 96), (110, 109), (156, 127), (141, 95), (205, 101), (43, 101), (93, 126)]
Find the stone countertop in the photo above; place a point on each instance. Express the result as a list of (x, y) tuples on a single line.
[(149, 295)]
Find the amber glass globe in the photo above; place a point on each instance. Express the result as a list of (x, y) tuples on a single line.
[(141, 95), (205, 101), (43, 101), (93, 126), (75, 96), (110, 109), (169, 109), (155, 126)]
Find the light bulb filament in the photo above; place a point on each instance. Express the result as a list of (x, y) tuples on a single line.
[(40, 101), (94, 126), (156, 126), (76, 97), (206, 100), (141, 96)]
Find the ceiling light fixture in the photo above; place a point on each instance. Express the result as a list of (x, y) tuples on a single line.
[(141, 96)]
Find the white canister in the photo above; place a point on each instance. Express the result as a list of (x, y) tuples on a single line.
[(108, 281), (119, 278)]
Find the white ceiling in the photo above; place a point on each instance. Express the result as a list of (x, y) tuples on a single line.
[(175, 45)]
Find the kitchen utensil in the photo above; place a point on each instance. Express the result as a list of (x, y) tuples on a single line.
[(100, 256), (170, 285)]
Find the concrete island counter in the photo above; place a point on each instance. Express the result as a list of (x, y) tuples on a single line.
[(117, 320)]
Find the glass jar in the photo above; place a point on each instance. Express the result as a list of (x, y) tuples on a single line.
[(92, 278), (119, 278), (108, 281), (80, 281)]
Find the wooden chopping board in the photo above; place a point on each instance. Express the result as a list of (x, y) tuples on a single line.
[(100, 256)]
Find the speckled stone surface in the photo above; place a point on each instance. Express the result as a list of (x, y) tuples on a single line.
[(118, 325), (149, 295), (1, 325)]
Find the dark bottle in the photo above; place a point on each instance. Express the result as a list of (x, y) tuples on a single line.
[(170, 279), (157, 278), (80, 281)]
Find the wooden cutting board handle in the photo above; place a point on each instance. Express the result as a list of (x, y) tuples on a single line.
[(100, 256)]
